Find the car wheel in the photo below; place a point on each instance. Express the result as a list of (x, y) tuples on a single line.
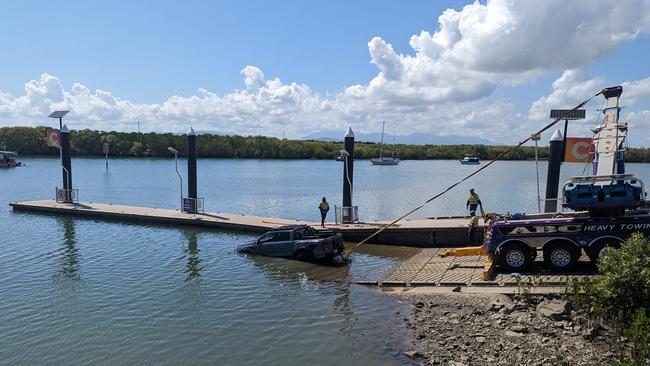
[(304, 255), (515, 257), (561, 256), (599, 249)]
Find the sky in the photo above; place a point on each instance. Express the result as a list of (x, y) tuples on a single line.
[(489, 69)]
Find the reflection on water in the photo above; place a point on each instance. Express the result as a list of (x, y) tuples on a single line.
[(192, 254), (342, 305), (297, 272), (69, 252), (155, 294)]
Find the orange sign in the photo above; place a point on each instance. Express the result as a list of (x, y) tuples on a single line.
[(579, 150), (53, 137)]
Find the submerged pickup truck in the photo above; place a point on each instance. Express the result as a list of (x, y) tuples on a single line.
[(301, 242)]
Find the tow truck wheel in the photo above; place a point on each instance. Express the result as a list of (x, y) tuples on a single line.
[(515, 257), (560, 255), (599, 249)]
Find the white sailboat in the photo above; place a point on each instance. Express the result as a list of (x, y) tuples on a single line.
[(382, 160)]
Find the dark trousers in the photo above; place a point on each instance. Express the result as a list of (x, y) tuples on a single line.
[(323, 215)]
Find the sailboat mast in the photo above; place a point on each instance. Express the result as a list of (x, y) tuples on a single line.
[(392, 155), (381, 143)]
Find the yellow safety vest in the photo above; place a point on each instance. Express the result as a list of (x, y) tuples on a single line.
[(324, 206), (473, 198)]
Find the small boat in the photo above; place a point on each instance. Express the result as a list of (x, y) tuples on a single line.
[(382, 160), (8, 159), (470, 160)]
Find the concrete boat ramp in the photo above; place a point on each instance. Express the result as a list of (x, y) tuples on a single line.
[(434, 232), (426, 268)]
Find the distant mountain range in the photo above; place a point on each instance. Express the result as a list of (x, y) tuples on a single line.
[(412, 139), (416, 138)]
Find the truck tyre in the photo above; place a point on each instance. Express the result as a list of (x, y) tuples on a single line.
[(561, 255), (304, 255), (599, 249), (515, 257)]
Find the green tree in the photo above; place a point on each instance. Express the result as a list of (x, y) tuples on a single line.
[(31, 141), (137, 149)]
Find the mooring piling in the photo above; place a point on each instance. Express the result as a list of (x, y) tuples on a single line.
[(191, 168), (348, 212), (66, 163), (553, 174)]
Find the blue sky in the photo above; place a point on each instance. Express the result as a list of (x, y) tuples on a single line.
[(146, 53), (261, 67)]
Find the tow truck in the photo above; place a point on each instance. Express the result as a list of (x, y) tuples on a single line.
[(608, 206)]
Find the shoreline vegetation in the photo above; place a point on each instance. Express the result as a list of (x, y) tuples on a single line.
[(32, 141)]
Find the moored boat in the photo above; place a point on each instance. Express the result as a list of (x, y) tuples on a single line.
[(8, 159), (470, 160), (382, 160)]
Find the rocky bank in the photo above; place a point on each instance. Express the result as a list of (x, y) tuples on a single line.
[(486, 330)]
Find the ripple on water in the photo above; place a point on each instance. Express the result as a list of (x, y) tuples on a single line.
[(79, 291), (106, 292)]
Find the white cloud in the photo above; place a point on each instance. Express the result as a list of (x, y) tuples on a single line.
[(482, 46), (636, 91), (576, 86), (445, 85), (571, 88), (254, 77)]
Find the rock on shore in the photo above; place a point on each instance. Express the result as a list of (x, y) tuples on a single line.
[(495, 330)]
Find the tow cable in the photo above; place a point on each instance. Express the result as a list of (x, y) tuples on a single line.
[(498, 157)]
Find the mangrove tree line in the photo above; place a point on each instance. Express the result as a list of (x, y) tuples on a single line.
[(32, 141)]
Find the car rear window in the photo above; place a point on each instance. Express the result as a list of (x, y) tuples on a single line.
[(281, 236)]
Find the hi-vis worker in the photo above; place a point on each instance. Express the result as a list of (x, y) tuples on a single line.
[(473, 201), (473, 223), (323, 207)]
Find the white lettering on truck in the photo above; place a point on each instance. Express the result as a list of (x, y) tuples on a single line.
[(520, 230), (635, 226)]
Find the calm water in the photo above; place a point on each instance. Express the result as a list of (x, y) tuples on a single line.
[(79, 291)]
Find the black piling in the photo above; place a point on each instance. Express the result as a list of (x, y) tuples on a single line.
[(66, 163), (348, 177), (553, 175), (191, 164)]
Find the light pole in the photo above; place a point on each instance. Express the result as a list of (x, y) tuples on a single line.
[(59, 115), (537, 137), (175, 152)]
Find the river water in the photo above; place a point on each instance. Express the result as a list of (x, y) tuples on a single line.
[(81, 291)]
